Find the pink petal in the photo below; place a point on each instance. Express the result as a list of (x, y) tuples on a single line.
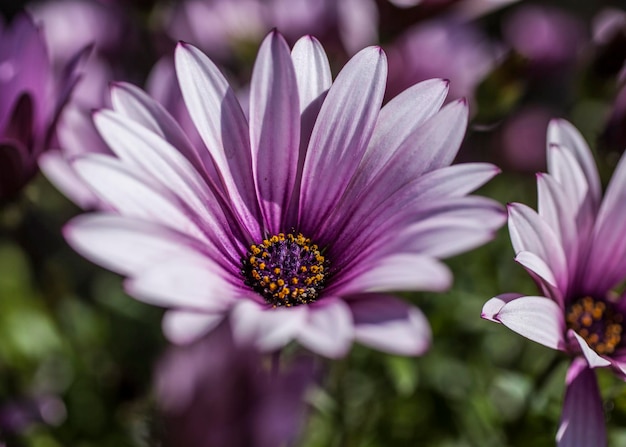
[(386, 323), (123, 244), (182, 327), (61, 174), (131, 195), (267, 328), (140, 147), (396, 272), (454, 181), (495, 304), (328, 329), (135, 104), (274, 129), (222, 125), (564, 167), (529, 232), (430, 146), (312, 70), (582, 421), (536, 265), (399, 122), (594, 360), (341, 133), (188, 280), (314, 79), (562, 133), (535, 317), (558, 212)]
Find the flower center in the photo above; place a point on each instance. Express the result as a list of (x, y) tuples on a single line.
[(597, 322), (285, 269)]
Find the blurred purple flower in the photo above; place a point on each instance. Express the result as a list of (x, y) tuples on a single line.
[(441, 48), (522, 139), (215, 393), (549, 38), (299, 218), (18, 415), (70, 25), (31, 99), (222, 28), (574, 248)]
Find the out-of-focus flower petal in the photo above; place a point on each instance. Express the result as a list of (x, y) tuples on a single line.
[(582, 420), (389, 324)]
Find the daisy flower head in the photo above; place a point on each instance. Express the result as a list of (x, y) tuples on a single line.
[(296, 221), (32, 97), (575, 250)]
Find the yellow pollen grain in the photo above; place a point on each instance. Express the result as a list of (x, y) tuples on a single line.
[(277, 271), (262, 265), (294, 280), (586, 320), (280, 282)]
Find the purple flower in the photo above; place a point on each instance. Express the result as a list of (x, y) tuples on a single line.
[(444, 48), (548, 37), (297, 220), (31, 99), (223, 28), (215, 393), (574, 248)]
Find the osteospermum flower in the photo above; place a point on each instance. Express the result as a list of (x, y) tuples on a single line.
[(216, 393), (31, 98), (574, 249), (299, 219)]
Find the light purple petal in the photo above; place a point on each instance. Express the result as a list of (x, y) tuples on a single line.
[(564, 167), (188, 281), (140, 147), (449, 227), (328, 329), (401, 271), (274, 129), (124, 245), (182, 327), (61, 174), (437, 228), (594, 360), (383, 213), (529, 232), (133, 196), (582, 421), (341, 133), (389, 324), (562, 133), (558, 212), (398, 122), (535, 317), (312, 70), (454, 181), (314, 79), (267, 328), (430, 146), (222, 125), (607, 259), (135, 104), (495, 304), (536, 265)]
